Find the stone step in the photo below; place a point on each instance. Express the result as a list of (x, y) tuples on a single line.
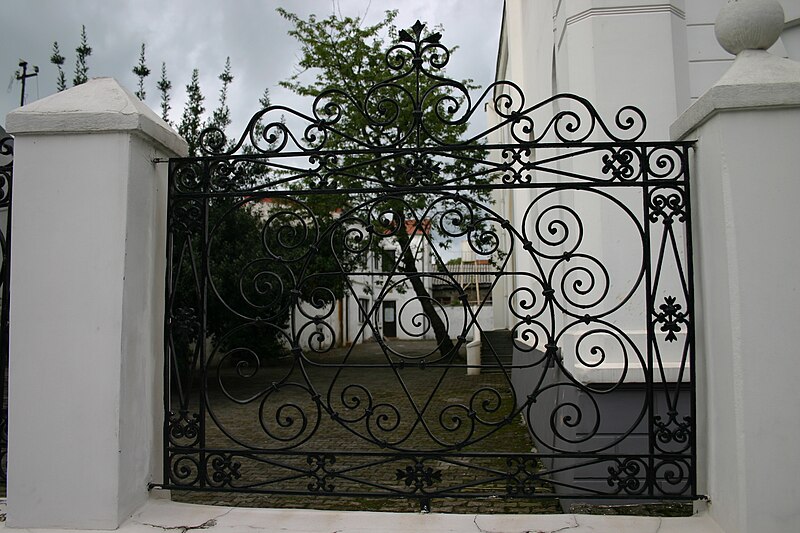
[(496, 349)]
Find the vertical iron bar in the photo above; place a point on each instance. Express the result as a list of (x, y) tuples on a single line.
[(168, 288), (649, 392), (4, 322), (425, 505), (201, 389), (690, 326)]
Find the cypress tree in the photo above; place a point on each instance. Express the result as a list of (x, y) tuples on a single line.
[(58, 60), (141, 72), (192, 118), (164, 86), (83, 51)]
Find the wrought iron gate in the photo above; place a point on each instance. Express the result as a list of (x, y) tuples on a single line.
[(6, 179), (285, 247)]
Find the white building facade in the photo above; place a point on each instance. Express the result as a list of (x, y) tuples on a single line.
[(665, 59)]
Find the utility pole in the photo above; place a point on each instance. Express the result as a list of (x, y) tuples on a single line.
[(22, 76)]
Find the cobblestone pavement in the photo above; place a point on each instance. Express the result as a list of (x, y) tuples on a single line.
[(455, 407)]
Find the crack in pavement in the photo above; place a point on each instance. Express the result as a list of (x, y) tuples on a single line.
[(211, 522), (572, 526)]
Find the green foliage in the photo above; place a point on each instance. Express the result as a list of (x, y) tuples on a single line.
[(58, 60), (237, 262), (265, 99), (192, 118), (344, 64), (221, 117), (338, 52), (345, 54), (82, 52), (142, 71), (164, 87), (237, 269)]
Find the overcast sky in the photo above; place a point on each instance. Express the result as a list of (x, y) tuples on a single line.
[(187, 34)]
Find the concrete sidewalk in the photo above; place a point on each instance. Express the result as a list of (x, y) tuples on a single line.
[(164, 515)]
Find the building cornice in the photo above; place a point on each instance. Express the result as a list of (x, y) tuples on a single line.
[(624, 10)]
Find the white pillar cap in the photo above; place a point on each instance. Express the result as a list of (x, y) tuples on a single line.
[(749, 25), (756, 79), (100, 105)]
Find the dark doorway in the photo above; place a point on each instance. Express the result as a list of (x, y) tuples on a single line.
[(389, 318)]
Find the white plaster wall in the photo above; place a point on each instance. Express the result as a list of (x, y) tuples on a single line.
[(143, 323), (791, 40), (618, 54), (65, 356), (373, 287), (306, 330), (458, 318), (93, 356), (707, 60), (86, 354), (625, 53), (748, 256), (594, 43), (455, 316)]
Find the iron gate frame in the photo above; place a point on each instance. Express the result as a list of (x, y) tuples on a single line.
[(6, 184), (659, 170)]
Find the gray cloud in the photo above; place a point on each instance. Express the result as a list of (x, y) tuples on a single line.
[(187, 34)]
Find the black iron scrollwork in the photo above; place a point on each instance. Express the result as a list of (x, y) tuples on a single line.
[(419, 476), (524, 476), (577, 233), (671, 317), (224, 469), (6, 185), (628, 476)]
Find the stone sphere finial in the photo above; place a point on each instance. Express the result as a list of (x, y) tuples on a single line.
[(749, 25)]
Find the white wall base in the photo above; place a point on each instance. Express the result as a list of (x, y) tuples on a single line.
[(159, 515)]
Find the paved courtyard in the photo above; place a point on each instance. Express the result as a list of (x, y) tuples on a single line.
[(448, 402)]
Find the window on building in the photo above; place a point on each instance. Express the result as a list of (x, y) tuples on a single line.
[(388, 259), (363, 309)]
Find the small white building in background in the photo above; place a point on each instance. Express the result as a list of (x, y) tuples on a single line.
[(385, 293), (380, 302)]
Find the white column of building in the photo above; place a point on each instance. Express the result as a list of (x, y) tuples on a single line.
[(615, 54), (747, 259), (87, 280)]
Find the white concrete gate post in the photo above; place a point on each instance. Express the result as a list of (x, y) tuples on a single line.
[(747, 243), (87, 309)]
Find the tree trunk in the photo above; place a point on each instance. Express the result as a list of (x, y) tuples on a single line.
[(443, 340)]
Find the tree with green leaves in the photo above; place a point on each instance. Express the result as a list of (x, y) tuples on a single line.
[(192, 118), (235, 244), (164, 87), (221, 116), (142, 71), (82, 53), (373, 100), (265, 99), (58, 60)]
